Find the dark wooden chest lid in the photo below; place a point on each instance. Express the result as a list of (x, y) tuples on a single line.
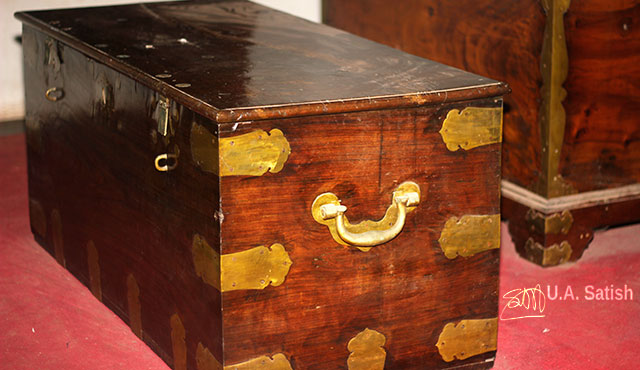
[(237, 61)]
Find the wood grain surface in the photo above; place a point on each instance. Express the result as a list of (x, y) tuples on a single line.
[(236, 60), (499, 39), (602, 141), (95, 167), (91, 161), (503, 40), (406, 289)]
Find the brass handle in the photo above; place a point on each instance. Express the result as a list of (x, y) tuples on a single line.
[(327, 210), (54, 94), (166, 162)]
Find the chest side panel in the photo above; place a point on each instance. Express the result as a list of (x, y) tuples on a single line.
[(601, 146), (102, 208), (407, 289)]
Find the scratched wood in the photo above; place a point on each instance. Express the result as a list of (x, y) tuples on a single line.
[(356, 126)]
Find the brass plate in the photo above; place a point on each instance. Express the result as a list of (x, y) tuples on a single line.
[(38, 218), (468, 338), (275, 362), (367, 352), (471, 128), (555, 223), (469, 235), (133, 303), (554, 69), (251, 154), (204, 149), (553, 255), (205, 359), (178, 343), (206, 261), (94, 270), (58, 241), (255, 268)]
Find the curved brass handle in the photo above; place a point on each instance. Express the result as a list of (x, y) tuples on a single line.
[(54, 94), (327, 210), (166, 162)]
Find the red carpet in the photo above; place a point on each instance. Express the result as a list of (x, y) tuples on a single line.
[(48, 320)]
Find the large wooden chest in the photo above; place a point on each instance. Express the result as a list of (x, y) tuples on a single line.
[(248, 190), (571, 146)]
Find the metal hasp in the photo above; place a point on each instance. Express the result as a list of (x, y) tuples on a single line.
[(161, 115)]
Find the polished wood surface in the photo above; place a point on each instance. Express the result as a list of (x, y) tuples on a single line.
[(406, 289), (237, 56), (601, 146), (499, 39), (93, 183), (95, 167), (503, 40)]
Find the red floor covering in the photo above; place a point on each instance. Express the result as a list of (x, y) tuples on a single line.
[(48, 320)]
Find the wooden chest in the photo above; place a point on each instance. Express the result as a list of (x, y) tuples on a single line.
[(248, 190), (571, 145)]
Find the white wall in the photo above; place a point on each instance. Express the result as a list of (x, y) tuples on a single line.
[(11, 84)]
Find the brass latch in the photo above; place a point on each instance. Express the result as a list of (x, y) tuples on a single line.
[(161, 115)]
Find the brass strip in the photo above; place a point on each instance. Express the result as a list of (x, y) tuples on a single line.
[(552, 224), (58, 242), (204, 149), (553, 255), (94, 270), (205, 359), (275, 362), (367, 352), (469, 235), (133, 301), (178, 343), (251, 154), (38, 218), (468, 338), (206, 261), (471, 128), (255, 268), (554, 69)]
